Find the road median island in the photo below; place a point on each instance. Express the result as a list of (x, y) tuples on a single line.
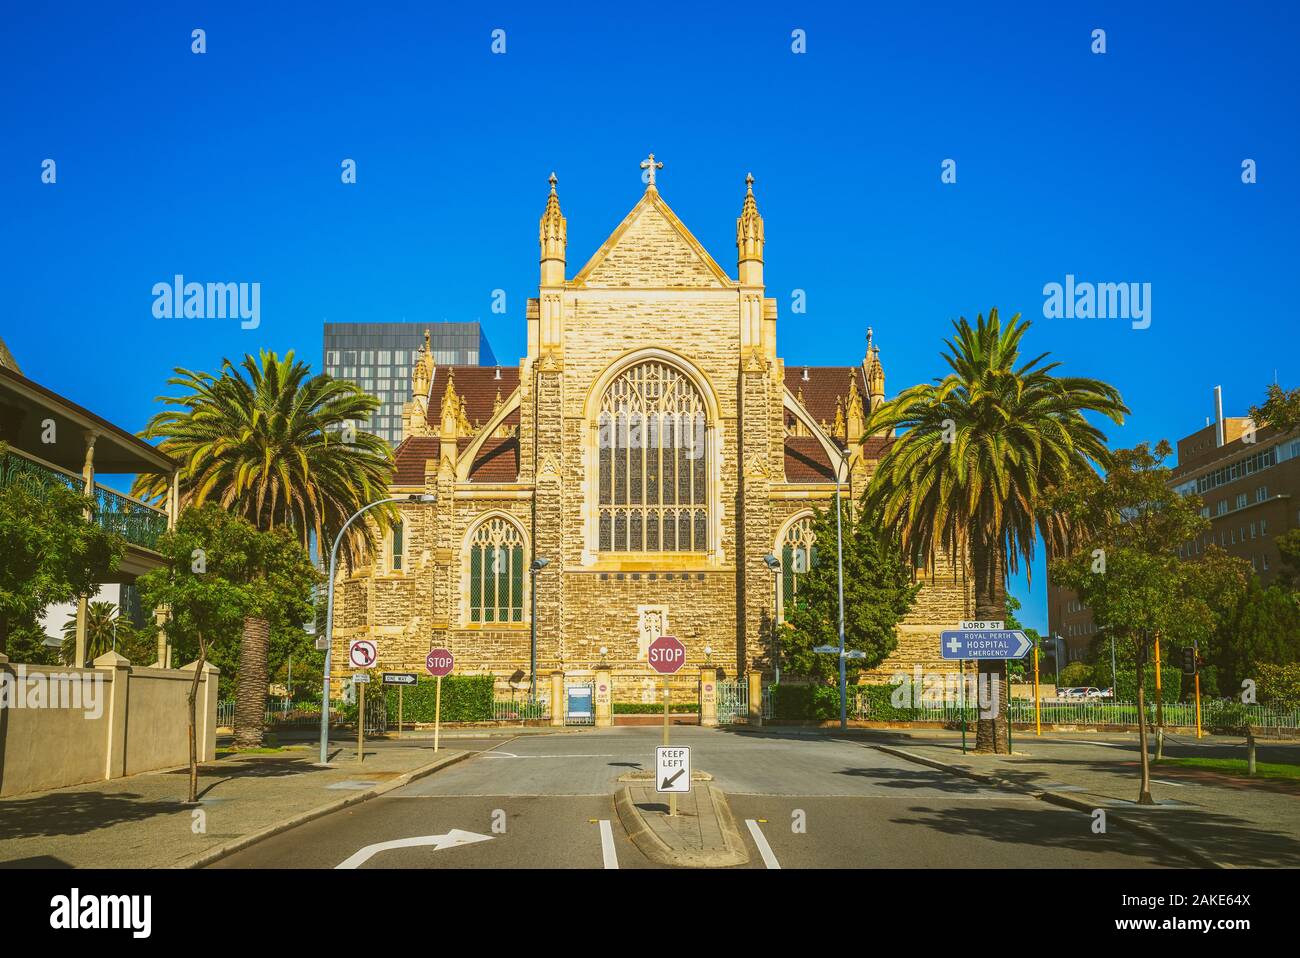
[(703, 833)]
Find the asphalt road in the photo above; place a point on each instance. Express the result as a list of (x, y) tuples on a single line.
[(546, 801)]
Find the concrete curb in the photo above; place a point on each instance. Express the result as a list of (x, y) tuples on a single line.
[(244, 841), (658, 851), (1059, 798)]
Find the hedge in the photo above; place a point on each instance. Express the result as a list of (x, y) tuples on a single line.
[(805, 702), (465, 698), (653, 708)]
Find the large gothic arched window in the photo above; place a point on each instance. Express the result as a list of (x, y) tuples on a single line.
[(652, 476), (496, 572), (798, 553)]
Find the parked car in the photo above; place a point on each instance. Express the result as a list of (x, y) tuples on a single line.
[(1091, 692), (1108, 693)]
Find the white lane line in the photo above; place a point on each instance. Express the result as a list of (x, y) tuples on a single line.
[(1165, 781), (764, 848), (607, 850), (452, 839)]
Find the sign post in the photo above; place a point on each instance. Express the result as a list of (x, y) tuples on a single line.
[(1038, 715), (666, 656), (362, 654), (438, 662), (401, 680), (986, 639)]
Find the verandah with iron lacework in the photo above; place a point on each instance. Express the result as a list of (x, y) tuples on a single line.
[(653, 478)]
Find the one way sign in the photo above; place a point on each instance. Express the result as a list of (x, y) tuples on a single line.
[(672, 769)]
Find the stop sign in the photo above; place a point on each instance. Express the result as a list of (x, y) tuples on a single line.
[(666, 655), (439, 662)]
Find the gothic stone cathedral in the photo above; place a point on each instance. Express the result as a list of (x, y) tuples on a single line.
[(652, 446)]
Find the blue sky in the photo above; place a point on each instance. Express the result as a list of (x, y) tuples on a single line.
[(1122, 167)]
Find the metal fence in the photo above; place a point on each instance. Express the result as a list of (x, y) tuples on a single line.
[(521, 709), (282, 713), (733, 702), (1216, 714)]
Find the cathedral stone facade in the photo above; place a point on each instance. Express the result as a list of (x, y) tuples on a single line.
[(649, 454)]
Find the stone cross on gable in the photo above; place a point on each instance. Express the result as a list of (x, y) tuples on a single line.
[(649, 165)]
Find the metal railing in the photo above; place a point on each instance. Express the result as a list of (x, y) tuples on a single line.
[(137, 522), (521, 709), (1216, 714), (283, 712)]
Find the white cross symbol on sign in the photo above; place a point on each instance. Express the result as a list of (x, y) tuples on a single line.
[(953, 644)]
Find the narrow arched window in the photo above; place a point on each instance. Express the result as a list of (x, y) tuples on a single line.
[(653, 470), (496, 572), (798, 553), (397, 546)]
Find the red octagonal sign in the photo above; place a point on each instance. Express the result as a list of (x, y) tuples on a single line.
[(439, 662), (667, 655)]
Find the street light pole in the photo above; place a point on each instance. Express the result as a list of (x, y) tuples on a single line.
[(329, 616), (774, 564), (537, 566), (839, 562)]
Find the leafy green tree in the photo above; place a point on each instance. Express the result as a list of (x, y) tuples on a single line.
[(878, 592), (979, 451), (1022, 668), (282, 449), (1281, 409), (1128, 571), (220, 570), (51, 552), (1262, 628), (1288, 546)]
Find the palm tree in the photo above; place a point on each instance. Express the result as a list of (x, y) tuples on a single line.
[(979, 452), (101, 630), (279, 447)]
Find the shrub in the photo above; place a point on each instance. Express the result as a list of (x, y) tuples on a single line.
[(465, 698), (1225, 715), (796, 702), (1075, 674), (1279, 684), (653, 708)]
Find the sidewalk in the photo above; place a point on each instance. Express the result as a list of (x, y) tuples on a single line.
[(1229, 821), (140, 821)]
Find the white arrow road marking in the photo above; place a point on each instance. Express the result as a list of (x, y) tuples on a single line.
[(607, 844), (583, 755), (764, 848), (452, 839)]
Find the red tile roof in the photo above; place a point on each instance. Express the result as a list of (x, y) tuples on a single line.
[(477, 387), (410, 457), (497, 461), (807, 461), (823, 386)]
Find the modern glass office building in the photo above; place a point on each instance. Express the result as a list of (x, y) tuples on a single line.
[(378, 358)]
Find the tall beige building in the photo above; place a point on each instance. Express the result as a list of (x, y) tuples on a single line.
[(653, 447)]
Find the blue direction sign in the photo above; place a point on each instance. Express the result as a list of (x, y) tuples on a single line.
[(984, 644)]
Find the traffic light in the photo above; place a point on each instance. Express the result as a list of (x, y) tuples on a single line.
[(1189, 661)]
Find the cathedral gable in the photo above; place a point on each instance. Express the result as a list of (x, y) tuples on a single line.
[(652, 248)]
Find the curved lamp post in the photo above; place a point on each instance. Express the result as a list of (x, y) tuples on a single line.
[(329, 613)]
